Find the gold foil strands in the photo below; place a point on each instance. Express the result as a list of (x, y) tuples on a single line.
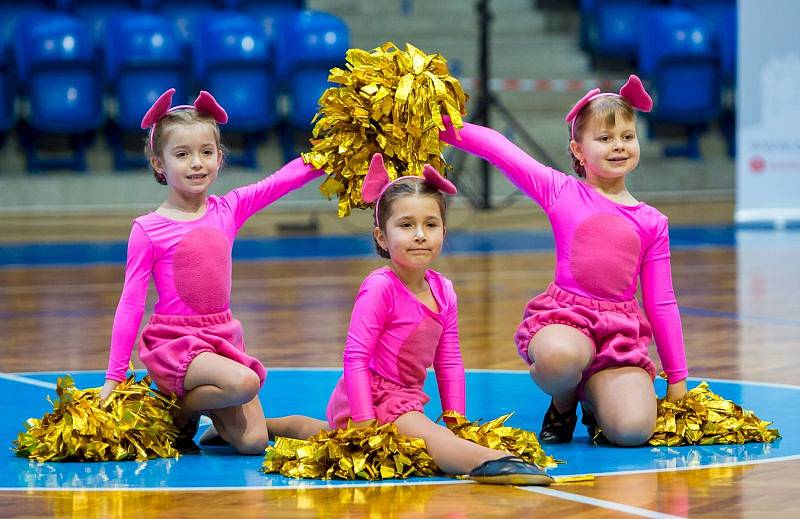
[(134, 423), (495, 435), (704, 418), (389, 101), (373, 452)]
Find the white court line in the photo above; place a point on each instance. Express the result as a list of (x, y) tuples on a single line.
[(602, 503), (29, 381)]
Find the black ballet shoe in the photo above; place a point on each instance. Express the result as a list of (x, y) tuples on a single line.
[(592, 427), (184, 442), (510, 470), (558, 427)]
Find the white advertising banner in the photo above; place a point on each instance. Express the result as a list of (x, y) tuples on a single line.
[(768, 113)]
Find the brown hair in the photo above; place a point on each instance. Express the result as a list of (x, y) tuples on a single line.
[(402, 188), (604, 110), (162, 128)]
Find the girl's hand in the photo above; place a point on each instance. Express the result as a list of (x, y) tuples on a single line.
[(107, 388), (676, 391), (363, 424)]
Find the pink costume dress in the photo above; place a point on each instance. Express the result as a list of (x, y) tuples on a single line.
[(190, 262), (392, 340), (602, 248)]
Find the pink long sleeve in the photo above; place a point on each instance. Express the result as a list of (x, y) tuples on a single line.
[(536, 180), (661, 306), (449, 366), (131, 305), (373, 306), (248, 200)]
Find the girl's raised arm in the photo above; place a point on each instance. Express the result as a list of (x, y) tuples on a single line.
[(248, 200), (537, 181)]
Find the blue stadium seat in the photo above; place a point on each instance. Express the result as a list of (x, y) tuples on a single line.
[(232, 60), (277, 19), (58, 75), (99, 15), (677, 55), (671, 31), (320, 43), (143, 59), (611, 28)]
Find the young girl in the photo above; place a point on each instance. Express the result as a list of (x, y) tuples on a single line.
[(585, 338), (404, 320), (192, 346)]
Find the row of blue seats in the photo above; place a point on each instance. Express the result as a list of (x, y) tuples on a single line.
[(686, 49), (55, 69)]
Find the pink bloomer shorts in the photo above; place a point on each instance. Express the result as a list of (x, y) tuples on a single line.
[(619, 330), (390, 400), (170, 343)]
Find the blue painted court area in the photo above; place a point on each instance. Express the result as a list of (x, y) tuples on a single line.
[(304, 391)]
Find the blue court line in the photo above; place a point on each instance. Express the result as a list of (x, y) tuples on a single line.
[(490, 393), (339, 246)]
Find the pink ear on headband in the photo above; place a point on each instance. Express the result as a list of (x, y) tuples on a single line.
[(377, 180), (159, 108), (633, 90), (205, 103), (433, 178)]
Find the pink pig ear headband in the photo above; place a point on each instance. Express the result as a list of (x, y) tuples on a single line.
[(205, 103), (632, 90), (377, 182)]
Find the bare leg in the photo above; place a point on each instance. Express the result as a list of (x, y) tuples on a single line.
[(243, 427), (559, 355), (625, 404), (295, 426), (228, 391), (452, 454)]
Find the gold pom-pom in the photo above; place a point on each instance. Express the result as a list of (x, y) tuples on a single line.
[(704, 418), (134, 423), (390, 101), (381, 452), (496, 435), (373, 452)]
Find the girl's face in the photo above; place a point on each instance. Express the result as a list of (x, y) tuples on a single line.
[(414, 232), (190, 159), (608, 153)]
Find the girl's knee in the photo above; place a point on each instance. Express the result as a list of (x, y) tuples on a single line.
[(630, 431), (563, 360), (247, 386), (252, 443)]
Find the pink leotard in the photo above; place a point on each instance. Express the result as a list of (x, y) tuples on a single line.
[(602, 247), (190, 261), (393, 335)]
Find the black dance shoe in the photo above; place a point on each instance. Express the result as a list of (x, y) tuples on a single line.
[(184, 442), (510, 470), (595, 432), (558, 427)]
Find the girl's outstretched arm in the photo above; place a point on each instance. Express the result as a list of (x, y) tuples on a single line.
[(537, 181), (248, 200)]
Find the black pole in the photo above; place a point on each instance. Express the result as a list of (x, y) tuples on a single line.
[(486, 100)]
